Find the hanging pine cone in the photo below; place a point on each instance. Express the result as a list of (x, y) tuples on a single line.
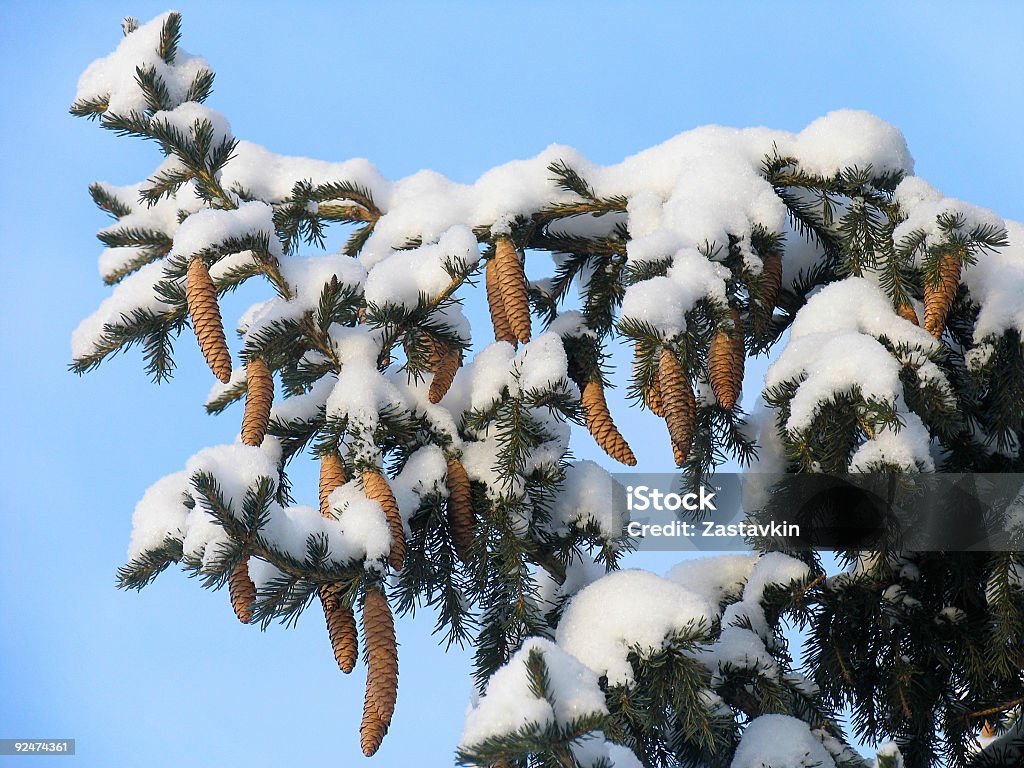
[(599, 422), (376, 487), (381, 673), (679, 403), (725, 362), (460, 509), (332, 475), (341, 628), (906, 311), (499, 319), (771, 281), (512, 284), (242, 591), (201, 297), (259, 396), (939, 298), (444, 363)]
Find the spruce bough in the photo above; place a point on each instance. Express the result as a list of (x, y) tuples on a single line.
[(446, 480)]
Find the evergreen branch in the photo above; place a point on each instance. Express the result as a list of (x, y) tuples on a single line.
[(170, 36)]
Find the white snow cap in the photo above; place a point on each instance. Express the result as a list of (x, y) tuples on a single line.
[(780, 741), (208, 228), (834, 346), (587, 497), (623, 610), (509, 704), (113, 78)]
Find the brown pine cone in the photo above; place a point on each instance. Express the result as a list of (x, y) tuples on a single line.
[(939, 298), (381, 673), (201, 297), (771, 281), (445, 363), (242, 591), (499, 319), (259, 396), (725, 362), (599, 422), (332, 475), (906, 311), (341, 628), (460, 509), (512, 284), (376, 488), (679, 403)]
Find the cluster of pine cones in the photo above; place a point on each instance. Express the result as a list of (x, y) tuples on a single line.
[(378, 622), (669, 394)]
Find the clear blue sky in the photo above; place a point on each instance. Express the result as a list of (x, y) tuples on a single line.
[(168, 677)]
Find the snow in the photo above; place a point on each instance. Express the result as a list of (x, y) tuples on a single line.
[(112, 78), (996, 282), (160, 513), (891, 750), (908, 448), (851, 138), (423, 474), (238, 467), (360, 531), (361, 391), (406, 275), (135, 292), (773, 569), (490, 373), (587, 497), (508, 703), (834, 347), (623, 610), (306, 406), (662, 301), (923, 204), (780, 741), (540, 364), (714, 578), (738, 648), (207, 229)]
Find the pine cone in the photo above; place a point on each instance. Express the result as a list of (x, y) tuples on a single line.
[(679, 403), (460, 509), (599, 422), (201, 297), (445, 362), (332, 475), (771, 281), (502, 330), (938, 299), (259, 396), (242, 591), (381, 673), (725, 362), (376, 487), (906, 311), (512, 284), (341, 628)]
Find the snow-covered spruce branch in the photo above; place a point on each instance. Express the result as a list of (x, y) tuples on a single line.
[(445, 473)]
